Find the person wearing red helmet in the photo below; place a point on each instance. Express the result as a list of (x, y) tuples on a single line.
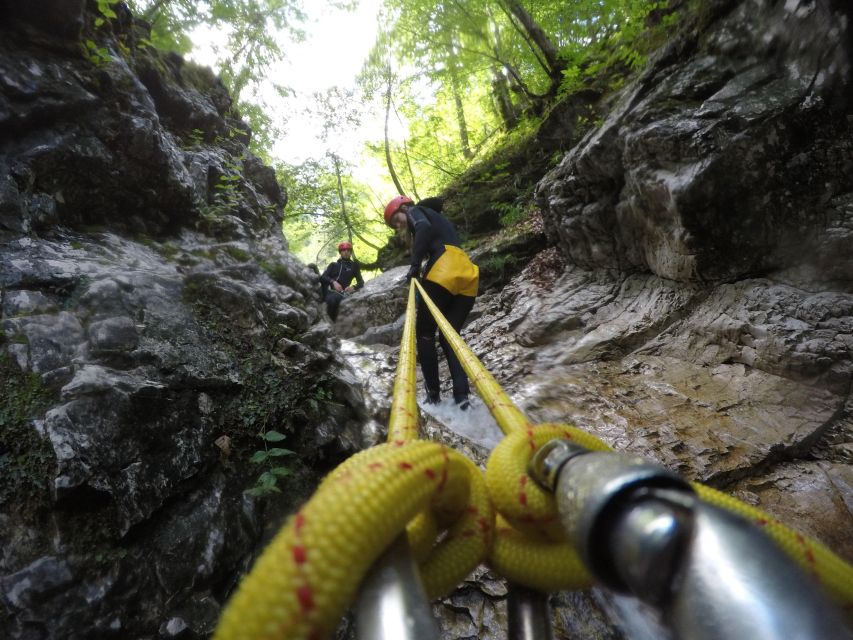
[(450, 280), (337, 279)]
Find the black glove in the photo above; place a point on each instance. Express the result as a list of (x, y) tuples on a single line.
[(413, 273)]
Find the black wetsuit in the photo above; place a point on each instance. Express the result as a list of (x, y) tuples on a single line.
[(432, 234), (343, 272)]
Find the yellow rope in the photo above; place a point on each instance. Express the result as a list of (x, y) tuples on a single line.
[(814, 558), (508, 416), (521, 533), (306, 578), (403, 418)]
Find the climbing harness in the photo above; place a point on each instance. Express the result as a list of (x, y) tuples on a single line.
[(406, 494)]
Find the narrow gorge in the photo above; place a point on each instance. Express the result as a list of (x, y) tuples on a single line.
[(682, 288)]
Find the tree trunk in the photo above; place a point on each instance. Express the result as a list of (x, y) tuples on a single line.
[(337, 163), (351, 230), (388, 162), (460, 112), (540, 38), (503, 100), (501, 84), (409, 169)]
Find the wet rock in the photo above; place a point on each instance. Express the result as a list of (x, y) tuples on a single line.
[(817, 495), (580, 614), (113, 335), (60, 18), (52, 339), (472, 613), (796, 334), (502, 256), (21, 590), (125, 589), (27, 303), (181, 105), (134, 436), (40, 90), (380, 303), (147, 318), (712, 167), (12, 211), (723, 384), (387, 334)]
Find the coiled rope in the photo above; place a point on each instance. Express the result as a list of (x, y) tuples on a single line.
[(309, 574)]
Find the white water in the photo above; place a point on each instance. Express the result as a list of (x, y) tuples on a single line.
[(476, 423), (375, 367)]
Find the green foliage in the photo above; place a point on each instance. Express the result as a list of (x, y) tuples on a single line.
[(510, 213), (267, 401), (609, 37), (275, 398), (458, 74), (323, 210), (166, 249), (499, 172), (252, 36), (226, 196), (498, 263), (194, 139), (269, 460), (458, 77), (26, 458), (105, 8), (98, 56), (237, 253)]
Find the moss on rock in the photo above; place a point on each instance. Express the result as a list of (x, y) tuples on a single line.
[(27, 461)]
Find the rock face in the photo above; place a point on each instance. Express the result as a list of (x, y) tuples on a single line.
[(375, 311), (731, 155), (700, 312), (704, 314), (728, 160), (153, 324)]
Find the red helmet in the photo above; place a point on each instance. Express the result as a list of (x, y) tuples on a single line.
[(393, 206), (345, 245)]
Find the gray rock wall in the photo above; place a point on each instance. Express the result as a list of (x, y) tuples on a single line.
[(152, 324), (730, 155), (704, 317)]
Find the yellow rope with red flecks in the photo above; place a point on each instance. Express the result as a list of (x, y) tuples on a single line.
[(307, 577), (527, 514)]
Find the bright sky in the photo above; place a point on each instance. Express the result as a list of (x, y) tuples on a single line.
[(335, 48)]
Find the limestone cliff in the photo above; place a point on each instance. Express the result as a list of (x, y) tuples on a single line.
[(153, 324)]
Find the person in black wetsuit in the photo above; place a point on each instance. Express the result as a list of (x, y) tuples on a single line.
[(449, 278), (337, 279)]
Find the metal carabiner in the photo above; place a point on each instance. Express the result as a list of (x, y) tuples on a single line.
[(392, 603), (639, 528)]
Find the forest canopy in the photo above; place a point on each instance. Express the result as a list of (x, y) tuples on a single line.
[(448, 82)]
